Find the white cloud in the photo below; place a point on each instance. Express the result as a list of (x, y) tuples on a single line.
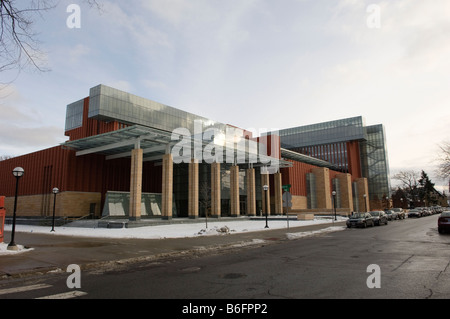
[(22, 128)]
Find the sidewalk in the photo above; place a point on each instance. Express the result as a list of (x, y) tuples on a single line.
[(51, 251)]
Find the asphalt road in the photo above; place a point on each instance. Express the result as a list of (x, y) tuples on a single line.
[(411, 261)]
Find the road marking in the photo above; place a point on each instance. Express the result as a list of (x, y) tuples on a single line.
[(23, 289), (65, 295)]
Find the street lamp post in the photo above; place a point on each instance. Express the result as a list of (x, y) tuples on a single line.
[(401, 201), (334, 203), (18, 173), (365, 202), (266, 188), (55, 191), (387, 202)]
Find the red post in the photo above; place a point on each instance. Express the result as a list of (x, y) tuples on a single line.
[(2, 217)]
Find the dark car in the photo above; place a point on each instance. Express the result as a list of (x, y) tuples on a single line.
[(415, 213), (444, 222), (379, 217), (360, 220)]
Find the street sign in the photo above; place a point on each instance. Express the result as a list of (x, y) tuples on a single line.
[(287, 199)]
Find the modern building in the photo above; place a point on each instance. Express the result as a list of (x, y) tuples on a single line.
[(351, 146), (127, 156)]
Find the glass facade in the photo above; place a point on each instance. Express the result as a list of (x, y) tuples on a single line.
[(375, 162), (323, 133), (335, 153), (328, 141), (325, 141), (145, 118), (181, 189), (210, 138), (107, 104), (74, 115)]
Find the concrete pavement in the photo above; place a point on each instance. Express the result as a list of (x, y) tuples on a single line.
[(52, 252)]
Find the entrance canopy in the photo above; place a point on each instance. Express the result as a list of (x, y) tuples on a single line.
[(154, 143), (119, 143)]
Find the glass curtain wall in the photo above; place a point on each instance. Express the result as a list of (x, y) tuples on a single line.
[(109, 103), (181, 189), (376, 164)]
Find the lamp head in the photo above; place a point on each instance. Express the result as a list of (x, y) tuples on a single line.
[(18, 172)]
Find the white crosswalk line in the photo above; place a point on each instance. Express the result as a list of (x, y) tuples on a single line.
[(23, 289), (65, 295)]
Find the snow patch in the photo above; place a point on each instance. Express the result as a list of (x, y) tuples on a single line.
[(172, 230), (20, 249), (297, 235)]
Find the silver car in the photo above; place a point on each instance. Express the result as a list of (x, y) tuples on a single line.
[(392, 215)]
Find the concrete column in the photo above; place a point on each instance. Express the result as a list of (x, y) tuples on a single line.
[(251, 195), (193, 189), (278, 190), (345, 186), (234, 191), (167, 186), (215, 190), (363, 188), (265, 201), (135, 184), (323, 189)]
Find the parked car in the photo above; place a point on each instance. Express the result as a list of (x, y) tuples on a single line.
[(360, 220), (415, 213), (436, 209), (400, 213), (444, 222), (391, 214), (379, 217)]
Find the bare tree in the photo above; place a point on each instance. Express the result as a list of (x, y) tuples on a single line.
[(444, 160), (19, 44), (409, 179), (409, 183)]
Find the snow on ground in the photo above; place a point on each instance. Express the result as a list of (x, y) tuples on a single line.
[(175, 230), (179, 230), (20, 249)]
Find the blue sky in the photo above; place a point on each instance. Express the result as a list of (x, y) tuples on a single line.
[(250, 63)]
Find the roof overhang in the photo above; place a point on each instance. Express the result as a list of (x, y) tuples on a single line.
[(120, 143), (154, 143), (288, 154)]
